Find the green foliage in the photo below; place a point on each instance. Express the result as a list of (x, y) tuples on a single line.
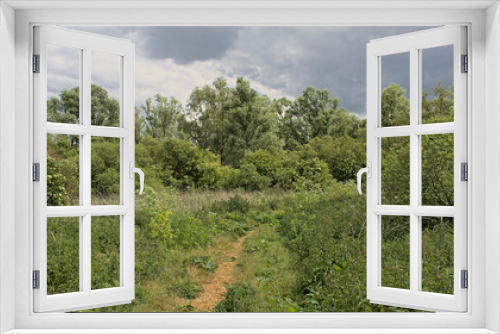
[(395, 106), (187, 166), (63, 255), (267, 164), (230, 121), (234, 204), (105, 166), (62, 170), (344, 155), (437, 104), (308, 252), (105, 111), (303, 170), (313, 114), (203, 262), (56, 185), (105, 240), (187, 289), (238, 298), (247, 178), (161, 119)]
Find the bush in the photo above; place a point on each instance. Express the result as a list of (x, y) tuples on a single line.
[(187, 166), (56, 185), (234, 204), (267, 164), (344, 155), (247, 178), (238, 298), (203, 262), (105, 166), (303, 170)]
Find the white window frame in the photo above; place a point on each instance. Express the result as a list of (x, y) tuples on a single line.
[(124, 50), (482, 19), (413, 44)]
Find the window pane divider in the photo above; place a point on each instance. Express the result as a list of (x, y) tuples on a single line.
[(80, 130), (422, 129), (419, 210)]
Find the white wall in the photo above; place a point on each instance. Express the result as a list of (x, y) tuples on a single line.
[(7, 160), (492, 149)]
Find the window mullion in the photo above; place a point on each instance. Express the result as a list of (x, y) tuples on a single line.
[(85, 168), (415, 259)]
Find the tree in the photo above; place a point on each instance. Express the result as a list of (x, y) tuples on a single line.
[(206, 117), (344, 155), (104, 110), (439, 108), (231, 121), (314, 113), (162, 117), (395, 106), (252, 123)]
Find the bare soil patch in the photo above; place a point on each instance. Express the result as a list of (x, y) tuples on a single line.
[(214, 286)]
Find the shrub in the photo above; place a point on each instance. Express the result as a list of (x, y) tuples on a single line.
[(56, 185), (105, 165), (303, 170), (187, 166), (344, 155), (247, 178), (238, 298), (234, 204), (187, 289), (267, 164), (203, 262)]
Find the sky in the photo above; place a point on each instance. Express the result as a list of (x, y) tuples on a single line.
[(278, 61)]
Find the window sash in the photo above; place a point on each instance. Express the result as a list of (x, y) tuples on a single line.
[(414, 297), (86, 298)]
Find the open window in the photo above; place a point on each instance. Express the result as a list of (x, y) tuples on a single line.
[(434, 195), (68, 215)]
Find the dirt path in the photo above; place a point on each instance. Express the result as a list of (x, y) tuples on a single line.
[(224, 275)]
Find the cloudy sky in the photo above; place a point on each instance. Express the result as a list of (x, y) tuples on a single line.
[(278, 61)]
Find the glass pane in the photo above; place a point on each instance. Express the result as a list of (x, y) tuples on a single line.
[(63, 255), (63, 164), (395, 76), (437, 169), (437, 85), (105, 171), (395, 252), (395, 184), (437, 254), (63, 81), (106, 78), (105, 252)]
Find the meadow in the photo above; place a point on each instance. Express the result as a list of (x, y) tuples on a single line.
[(248, 208)]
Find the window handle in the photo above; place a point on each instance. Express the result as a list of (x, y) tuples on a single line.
[(368, 171), (134, 170)]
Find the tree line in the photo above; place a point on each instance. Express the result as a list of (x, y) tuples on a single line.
[(235, 137)]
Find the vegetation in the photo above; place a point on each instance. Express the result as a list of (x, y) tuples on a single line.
[(276, 176)]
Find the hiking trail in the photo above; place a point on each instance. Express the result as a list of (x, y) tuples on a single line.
[(224, 275)]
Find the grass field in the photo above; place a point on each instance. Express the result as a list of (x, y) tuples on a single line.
[(241, 251)]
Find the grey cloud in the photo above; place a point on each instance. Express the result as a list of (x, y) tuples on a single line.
[(287, 58), (187, 44), (333, 58)]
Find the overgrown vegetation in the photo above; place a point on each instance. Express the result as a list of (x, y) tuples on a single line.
[(232, 161)]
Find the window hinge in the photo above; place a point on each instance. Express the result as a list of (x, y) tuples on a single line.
[(36, 279), (36, 63), (464, 171), (465, 64), (465, 279), (36, 172)]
